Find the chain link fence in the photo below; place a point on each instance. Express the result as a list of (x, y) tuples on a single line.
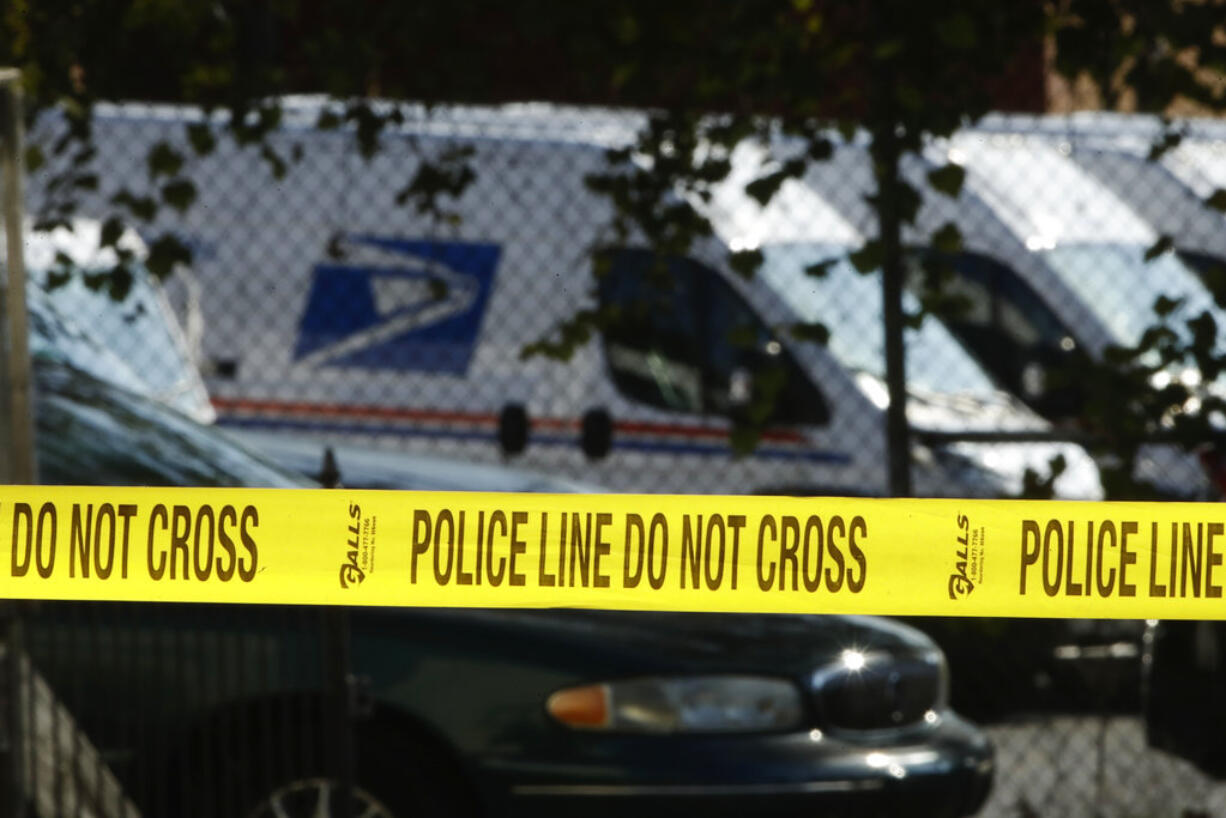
[(480, 302)]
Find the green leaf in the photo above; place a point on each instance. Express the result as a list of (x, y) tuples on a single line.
[(1204, 333), (810, 331), (821, 149), (909, 202), (201, 138), (328, 120), (908, 96), (84, 156), (120, 283), (1164, 306), (744, 440), (947, 239), (95, 281), (1218, 200), (763, 188), (276, 165), (622, 75), (745, 263), (1163, 244), (820, 268), (1169, 141), (142, 207), (369, 125), (35, 158), (957, 32), (179, 194), (112, 230), (449, 177), (57, 279), (164, 160), (743, 336), (334, 248), (868, 258), (948, 179), (888, 49), (164, 253)]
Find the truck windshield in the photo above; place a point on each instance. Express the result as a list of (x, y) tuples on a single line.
[(849, 304), (1120, 287)]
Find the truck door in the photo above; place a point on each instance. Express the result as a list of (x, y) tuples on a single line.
[(1008, 328), (681, 338)]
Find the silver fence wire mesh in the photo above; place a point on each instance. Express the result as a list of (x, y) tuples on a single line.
[(463, 309)]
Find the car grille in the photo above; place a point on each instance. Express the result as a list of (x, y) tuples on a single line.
[(886, 693)]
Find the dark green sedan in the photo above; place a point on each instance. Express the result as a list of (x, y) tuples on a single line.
[(270, 711)]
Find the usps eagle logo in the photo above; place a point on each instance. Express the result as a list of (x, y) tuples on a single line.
[(410, 305)]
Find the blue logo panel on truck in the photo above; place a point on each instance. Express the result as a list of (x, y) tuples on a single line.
[(406, 305)]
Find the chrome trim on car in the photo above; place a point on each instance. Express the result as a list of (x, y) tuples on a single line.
[(612, 790)]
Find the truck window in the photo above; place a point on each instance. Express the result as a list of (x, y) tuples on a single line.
[(684, 340), (1007, 327), (654, 347), (1210, 268)]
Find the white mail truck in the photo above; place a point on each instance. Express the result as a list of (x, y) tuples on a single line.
[(334, 302)]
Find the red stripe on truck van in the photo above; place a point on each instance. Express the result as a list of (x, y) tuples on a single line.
[(300, 409)]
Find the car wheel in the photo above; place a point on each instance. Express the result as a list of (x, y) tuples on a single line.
[(395, 776), (287, 769)]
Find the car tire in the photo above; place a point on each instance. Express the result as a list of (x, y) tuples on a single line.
[(290, 771), (395, 776)]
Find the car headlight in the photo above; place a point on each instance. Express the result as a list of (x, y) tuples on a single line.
[(699, 704)]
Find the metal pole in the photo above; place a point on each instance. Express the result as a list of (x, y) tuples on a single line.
[(16, 421), (340, 718), (886, 152), (898, 433), (17, 464)]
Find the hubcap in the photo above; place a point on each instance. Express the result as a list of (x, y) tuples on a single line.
[(318, 798)]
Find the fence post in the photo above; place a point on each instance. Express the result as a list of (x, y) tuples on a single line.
[(17, 464), (886, 155)]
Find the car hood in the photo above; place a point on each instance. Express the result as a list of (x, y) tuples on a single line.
[(365, 468), (994, 411), (635, 643), (928, 410)]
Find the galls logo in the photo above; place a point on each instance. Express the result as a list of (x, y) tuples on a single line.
[(960, 584), (350, 572)]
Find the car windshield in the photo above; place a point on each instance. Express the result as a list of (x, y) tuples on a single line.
[(1120, 287), (141, 327), (53, 337), (91, 432), (849, 304)]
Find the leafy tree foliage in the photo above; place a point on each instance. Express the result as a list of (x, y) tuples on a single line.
[(790, 72)]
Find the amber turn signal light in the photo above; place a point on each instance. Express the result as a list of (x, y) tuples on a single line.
[(586, 706)]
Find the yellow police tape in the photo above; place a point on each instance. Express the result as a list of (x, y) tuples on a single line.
[(673, 553)]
